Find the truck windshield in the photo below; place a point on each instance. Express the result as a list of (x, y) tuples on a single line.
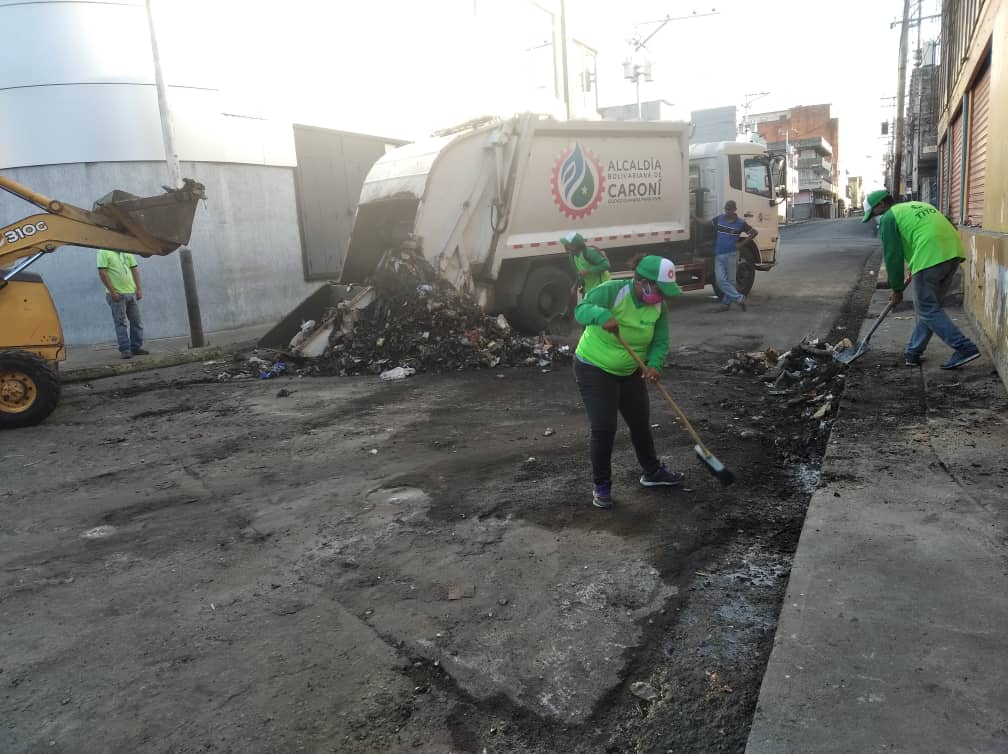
[(757, 176)]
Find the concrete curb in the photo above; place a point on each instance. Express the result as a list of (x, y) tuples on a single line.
[(154, 361)]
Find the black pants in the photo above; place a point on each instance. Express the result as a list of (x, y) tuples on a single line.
[(604, 394)]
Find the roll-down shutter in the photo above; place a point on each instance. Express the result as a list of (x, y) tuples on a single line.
[(955, 169), (943, 172), (976, 165)]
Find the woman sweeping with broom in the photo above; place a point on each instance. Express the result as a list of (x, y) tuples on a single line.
[(611, 380)]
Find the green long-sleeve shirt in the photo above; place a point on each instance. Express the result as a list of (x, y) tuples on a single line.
[(595, 263), (643, 326), (919, 235)]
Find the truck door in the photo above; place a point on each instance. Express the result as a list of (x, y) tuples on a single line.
[(758, 207)]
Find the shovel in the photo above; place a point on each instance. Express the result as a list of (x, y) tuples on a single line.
[(847, 355)]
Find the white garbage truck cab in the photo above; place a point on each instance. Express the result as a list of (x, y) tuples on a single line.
[(487, 204)]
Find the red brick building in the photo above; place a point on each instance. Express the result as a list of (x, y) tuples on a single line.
[(813, 137)]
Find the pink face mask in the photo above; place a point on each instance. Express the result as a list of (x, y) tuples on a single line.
[(650, 294)]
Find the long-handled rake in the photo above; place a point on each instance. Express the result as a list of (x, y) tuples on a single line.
[(706, 457)]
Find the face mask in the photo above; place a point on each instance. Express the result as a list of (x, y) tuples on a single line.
[(650, 295)]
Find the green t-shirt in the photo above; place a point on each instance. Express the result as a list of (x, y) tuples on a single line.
[(920, 235), (643, 326), (118, 265)]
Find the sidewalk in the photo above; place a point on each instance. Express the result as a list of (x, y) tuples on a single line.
[(92, 362), (893, 635)]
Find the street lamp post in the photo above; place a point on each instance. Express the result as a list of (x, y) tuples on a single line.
[(634, 72)]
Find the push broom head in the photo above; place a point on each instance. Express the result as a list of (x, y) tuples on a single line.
[(714, 466)]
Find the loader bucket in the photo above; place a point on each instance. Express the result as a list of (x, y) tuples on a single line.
[(167, 217)]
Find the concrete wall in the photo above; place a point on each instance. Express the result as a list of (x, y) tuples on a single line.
[(986, 275), (246, 247), (986, 293)]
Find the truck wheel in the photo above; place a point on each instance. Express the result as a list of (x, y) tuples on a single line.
[(546, 302), (29, 389), (745, 273)]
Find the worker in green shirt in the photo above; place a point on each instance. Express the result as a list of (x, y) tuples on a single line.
[(120, 275), (590, 264), (609, 379), (919, 235)]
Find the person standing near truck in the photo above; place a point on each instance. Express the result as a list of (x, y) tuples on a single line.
[(120, 275), (608, 377), (917, 234), (590, 264), (728, 229)]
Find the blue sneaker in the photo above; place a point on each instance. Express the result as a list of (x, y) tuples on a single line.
[(602, 495), (961, 357), (912, 359), (662, 477)]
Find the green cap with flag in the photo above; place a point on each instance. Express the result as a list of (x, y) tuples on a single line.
[(871, 200), (661, 271)]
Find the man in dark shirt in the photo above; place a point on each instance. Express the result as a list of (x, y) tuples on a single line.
[(728, 229)]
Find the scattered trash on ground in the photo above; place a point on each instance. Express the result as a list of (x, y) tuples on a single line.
[(644, 690), (399, 373), (806, 381)]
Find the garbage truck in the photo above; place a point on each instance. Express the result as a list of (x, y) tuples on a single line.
[(487, 203)]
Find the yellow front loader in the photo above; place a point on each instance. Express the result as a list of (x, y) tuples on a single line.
[(31, 338)]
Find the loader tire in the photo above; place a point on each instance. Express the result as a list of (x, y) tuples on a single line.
[(29, 389), (546, 303)]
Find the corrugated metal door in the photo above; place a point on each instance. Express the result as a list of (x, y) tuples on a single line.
[(943, 192), (955, 169), (331, 169), (977, 164)]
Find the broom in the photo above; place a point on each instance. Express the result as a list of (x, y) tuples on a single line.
[(706, 457)]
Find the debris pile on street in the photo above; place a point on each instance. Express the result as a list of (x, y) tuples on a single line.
[(411, 320), (806, 377)]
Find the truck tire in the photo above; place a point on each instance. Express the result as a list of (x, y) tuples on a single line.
[(546, 303), (29, 389), (745, 273)]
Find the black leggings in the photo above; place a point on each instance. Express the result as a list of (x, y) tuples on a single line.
[(604, 394)]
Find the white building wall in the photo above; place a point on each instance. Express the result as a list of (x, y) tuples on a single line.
[(246, 248)]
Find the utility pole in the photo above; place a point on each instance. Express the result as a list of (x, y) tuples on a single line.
[(897, 186), (747, 106), (175, 178)]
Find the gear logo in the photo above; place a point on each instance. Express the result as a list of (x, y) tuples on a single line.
[(577, 182)]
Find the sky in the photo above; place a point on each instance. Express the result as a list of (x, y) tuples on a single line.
[(403, 68)]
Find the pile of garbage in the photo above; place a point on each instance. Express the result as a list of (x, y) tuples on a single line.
[(806, 377), (411, 320)]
